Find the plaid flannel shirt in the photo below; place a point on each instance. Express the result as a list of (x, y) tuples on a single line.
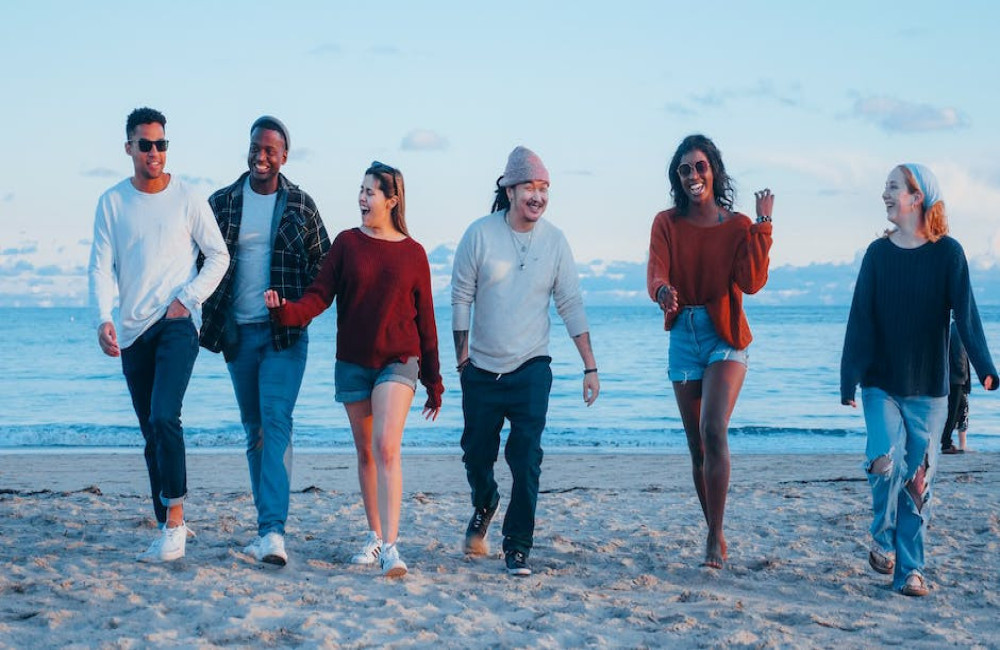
[(299, 246)]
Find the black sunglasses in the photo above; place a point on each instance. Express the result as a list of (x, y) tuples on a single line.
[(686, 170), (146, 145), (377, 166)]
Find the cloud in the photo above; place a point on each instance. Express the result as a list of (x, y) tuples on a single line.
[(898, 116), (579, 172), (26, 249), (423, 140), (385, 50), (676, 108), (101, 172), (789, 95), (7, 197), (325, 49), (300, 154), (17, 268), (197, 180)]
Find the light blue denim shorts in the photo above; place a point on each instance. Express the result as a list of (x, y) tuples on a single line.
[(355, 383), (695, 345)]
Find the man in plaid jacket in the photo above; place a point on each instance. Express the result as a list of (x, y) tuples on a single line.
[(276, 240)]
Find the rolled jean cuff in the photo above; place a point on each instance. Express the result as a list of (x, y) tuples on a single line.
[(172, 501)]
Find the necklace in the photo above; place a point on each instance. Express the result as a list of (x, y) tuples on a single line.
[(520, 247)]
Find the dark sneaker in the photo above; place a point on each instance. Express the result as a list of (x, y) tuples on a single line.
[(517, 563), (475, 534)]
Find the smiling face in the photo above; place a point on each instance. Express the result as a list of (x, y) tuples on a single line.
[(696, 176), (148, 166), (528, 202), (375, 208), (267, 155), (901, 203)]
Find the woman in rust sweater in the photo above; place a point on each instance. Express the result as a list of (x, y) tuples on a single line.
[(386, 342), (703, 256)]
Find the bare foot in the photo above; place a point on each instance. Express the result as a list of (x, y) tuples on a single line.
[(715, 552)]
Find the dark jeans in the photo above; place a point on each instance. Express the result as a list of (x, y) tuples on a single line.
[(955, 407), (522, 397), (157, 368)]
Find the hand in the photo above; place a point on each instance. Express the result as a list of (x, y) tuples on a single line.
[(850, 403), (591, 387), (666, 297), (765, 203), (107, 338), (990, 383), (177, 310), (431, 412), (271, 299)]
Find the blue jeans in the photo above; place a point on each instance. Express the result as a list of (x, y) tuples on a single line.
[(157, 368), (522, 397), (266, 382), (903, 433)]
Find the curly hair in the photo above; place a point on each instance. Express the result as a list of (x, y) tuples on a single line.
[(935, 220), (144, 115), (722, 184)]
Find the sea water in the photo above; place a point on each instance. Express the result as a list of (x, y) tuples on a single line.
[(59, 392)]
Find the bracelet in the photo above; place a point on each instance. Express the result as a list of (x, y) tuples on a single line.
[(587, 371), (763, 219), (462, 365)]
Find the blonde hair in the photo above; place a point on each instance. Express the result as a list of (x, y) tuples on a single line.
[(935, 220)]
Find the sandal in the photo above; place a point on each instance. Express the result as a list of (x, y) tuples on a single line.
[(881, 561), (915, 585)]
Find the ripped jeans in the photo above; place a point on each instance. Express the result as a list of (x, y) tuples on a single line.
[(903, 433)]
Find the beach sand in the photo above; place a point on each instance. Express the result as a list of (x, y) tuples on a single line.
[(617, 549)]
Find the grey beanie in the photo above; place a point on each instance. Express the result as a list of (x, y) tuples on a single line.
[(523, 165), (273, 123)]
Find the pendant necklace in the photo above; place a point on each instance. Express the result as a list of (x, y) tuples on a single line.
[(521, 249)]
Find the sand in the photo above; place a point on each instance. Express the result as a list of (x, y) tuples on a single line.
[(618, 542)]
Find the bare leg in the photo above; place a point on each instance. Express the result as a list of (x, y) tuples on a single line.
[(688, 395), (961, 439), (360, 416), (720, 387), (390, 405), (175, 515)]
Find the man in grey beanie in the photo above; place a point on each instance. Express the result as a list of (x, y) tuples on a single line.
[(276, 240), (511, 264)]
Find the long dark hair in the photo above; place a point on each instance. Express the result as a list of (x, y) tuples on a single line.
[(722, 184), (500, 201), (390, 181)]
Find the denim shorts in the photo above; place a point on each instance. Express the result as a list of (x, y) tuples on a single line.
[(695, 345), (355, 383)]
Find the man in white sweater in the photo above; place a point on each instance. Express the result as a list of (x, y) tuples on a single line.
[(148, 231), (510, 264)]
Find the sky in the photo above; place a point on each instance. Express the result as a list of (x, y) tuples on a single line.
[(817, 101)]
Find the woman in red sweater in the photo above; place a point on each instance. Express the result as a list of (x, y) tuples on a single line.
[(386, 342), (703, 256)]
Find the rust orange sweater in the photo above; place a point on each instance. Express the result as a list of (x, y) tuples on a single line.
[(711, 266)]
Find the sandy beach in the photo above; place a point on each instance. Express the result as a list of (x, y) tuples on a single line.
[(618, 544)]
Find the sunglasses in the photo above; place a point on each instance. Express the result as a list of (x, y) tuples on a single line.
[(686, 169), (377, 166), (145, 146)]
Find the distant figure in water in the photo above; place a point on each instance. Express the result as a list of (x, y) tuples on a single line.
[(911, 282), (960, 385), (703, 256)]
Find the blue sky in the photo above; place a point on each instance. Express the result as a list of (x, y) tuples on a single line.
[(816, 101)]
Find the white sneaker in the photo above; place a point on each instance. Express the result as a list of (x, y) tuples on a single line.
[(370, 551), (392, 565), (191, 533), (269, 549), (169, 546)]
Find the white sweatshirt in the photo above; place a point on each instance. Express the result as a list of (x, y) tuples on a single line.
[(147, 245), (510, 317)]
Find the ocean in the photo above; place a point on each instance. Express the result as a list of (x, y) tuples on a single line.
[(58, 392)]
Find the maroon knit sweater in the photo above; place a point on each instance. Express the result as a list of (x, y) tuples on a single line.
[(384, 308)]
